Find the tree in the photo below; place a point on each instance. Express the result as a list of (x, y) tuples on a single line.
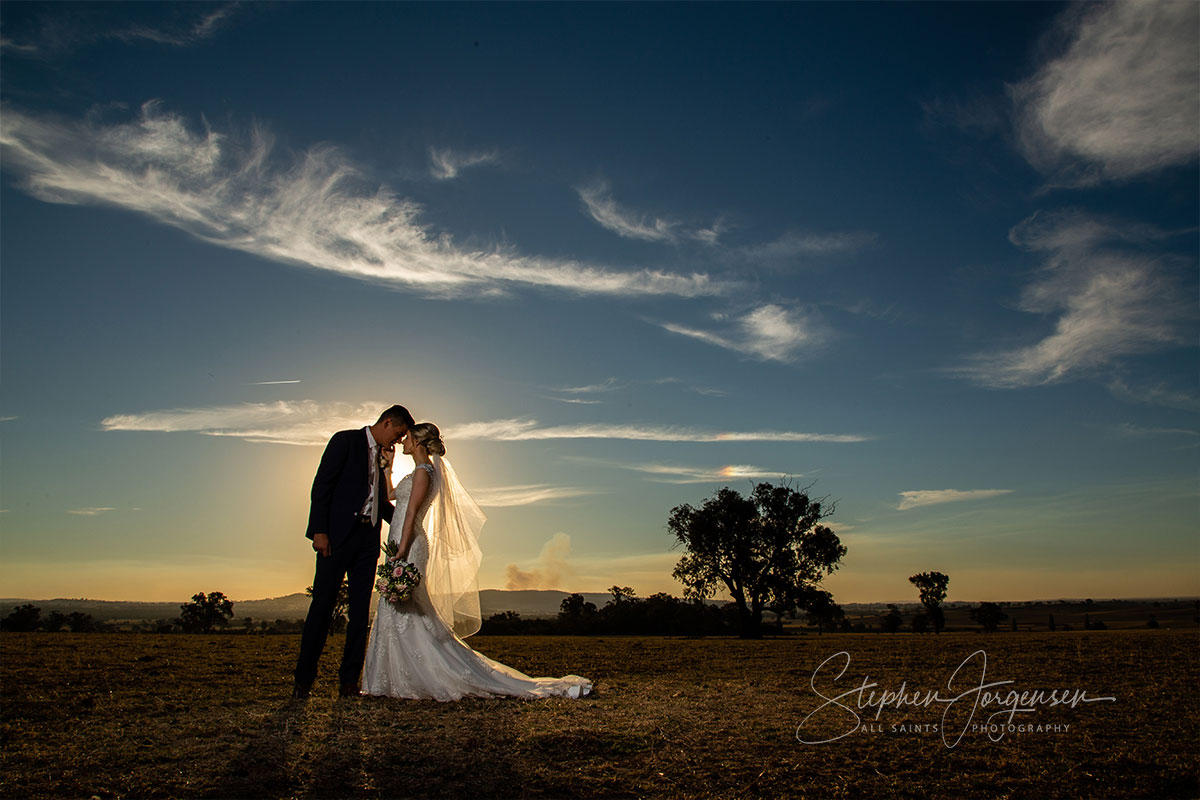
[(920, 623), (893, 620), (932, 589), (621, 594), (55, 621), (576, 615), (989, 615), (768, 550), (23, 618), (501, 623), (82, 623), (340, 605), (824, 613), (205, 612)]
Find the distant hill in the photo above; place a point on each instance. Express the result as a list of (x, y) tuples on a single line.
[(1031, 615), (527, 603)]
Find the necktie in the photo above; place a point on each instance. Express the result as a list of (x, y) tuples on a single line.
[(376, 471)]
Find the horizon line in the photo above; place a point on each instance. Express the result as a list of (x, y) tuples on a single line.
[(710, 599)]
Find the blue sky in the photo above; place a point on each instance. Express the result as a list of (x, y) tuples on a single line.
[(936, 260)]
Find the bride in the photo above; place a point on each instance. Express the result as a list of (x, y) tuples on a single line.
[(416, 650)]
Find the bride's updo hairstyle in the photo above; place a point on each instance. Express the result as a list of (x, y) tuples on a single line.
[(428, 436)]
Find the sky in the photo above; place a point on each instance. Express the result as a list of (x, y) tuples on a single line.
[(934, 263)]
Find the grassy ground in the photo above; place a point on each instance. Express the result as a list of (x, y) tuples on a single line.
[(208, 716)]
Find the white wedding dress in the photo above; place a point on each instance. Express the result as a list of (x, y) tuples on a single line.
[(413, 653)]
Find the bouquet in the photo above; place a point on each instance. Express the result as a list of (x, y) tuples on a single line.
[(397, 577)]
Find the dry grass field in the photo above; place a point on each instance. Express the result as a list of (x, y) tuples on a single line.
[(208, 716)]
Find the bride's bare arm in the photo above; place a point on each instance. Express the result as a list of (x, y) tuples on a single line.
[(389, 454), (420, 488)]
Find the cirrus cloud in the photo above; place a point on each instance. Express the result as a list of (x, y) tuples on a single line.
[(600, 205), (933, 497), (770, 332), (1122, 99), (1114, 296), (320, 211), (448, 163), (526, 495), (308, 422), (90, 512)]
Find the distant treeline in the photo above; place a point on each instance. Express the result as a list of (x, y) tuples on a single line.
[(665, 615), (658, 614)]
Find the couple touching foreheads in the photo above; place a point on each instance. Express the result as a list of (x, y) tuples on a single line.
[(415, 649)]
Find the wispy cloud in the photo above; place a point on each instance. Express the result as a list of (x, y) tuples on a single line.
[(508, 430), (7, 419), (769, 332), (302, 422), (551, 571), (188, 33), (797, 244), (1113, 301), (319, 211), (1121, 99), (679, 474), (1156, 395), (527, 495), (583, 401), (1128, 429), (934, 497), (308, 422), (90, 512), (23, 48), (447, 163), (707, 391), (68, 30), (271, 383), (607, 385), (600, 205)]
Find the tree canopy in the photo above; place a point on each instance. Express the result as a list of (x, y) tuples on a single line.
[(769, 550), (989, 615), (205, 612), (931, 587)]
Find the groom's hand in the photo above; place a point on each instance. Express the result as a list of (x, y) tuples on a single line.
[(321, 544)]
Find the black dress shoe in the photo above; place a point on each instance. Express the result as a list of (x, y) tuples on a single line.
[(348, 690), (301, 691)]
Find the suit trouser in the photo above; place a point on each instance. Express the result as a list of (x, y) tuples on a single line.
[(355, 558)]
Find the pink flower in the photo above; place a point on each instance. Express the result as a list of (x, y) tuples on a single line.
[(398, 572)]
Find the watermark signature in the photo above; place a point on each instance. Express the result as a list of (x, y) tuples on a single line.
[(974, 695)]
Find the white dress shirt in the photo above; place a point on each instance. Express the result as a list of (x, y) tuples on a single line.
[(372, 471)]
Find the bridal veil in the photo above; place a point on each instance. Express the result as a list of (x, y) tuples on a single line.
[(452, 527)]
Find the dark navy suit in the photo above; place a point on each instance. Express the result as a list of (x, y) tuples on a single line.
[(338, 493)]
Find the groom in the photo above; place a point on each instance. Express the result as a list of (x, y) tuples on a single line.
[(349, 500)]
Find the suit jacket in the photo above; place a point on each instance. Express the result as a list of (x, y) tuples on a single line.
[(341, 487)]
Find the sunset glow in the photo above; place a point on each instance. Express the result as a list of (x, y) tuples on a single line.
[(947, 280)]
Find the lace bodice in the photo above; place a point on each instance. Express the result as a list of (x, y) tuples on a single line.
[(403, 494)]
